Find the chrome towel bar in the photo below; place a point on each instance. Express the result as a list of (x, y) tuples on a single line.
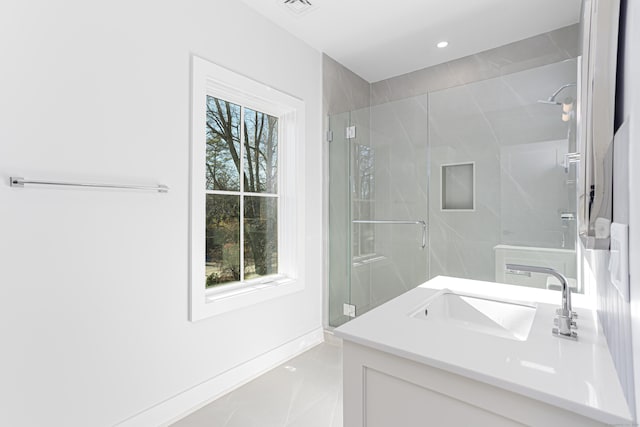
[(397, 222), (16, 181)]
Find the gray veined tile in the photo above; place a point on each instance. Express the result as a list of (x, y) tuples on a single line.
[(567, 39), (343, 89), (321, 414), (536, 51)]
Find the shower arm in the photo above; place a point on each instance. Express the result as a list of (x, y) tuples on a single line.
[(552, 98), (397, 222)]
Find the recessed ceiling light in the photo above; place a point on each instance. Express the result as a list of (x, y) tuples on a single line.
[(442, 44)]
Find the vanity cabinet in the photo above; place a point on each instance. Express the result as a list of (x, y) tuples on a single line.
[(404, 370), (382, 390)]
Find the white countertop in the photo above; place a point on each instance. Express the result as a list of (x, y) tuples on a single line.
[(578, 376)]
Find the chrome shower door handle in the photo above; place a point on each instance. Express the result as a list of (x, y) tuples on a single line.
[(424, 233), (421, 223)]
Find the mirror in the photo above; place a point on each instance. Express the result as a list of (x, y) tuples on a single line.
[(596, 99)]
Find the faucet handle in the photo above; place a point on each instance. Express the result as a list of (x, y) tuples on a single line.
[(572, 314), (563, 328), (573, 336), (572, 323)]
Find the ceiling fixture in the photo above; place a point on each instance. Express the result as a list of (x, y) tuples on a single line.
[(442, 44), (298, 7)]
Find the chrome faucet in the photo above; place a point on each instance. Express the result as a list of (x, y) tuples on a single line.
[(565, 314)]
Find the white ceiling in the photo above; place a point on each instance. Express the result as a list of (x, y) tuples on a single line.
[(380, 39)]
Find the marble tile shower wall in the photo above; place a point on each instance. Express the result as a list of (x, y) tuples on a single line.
[(520, 165), (342, 89), (519, 192), (547, 48)]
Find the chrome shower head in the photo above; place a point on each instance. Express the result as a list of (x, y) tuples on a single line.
[(552, 98)]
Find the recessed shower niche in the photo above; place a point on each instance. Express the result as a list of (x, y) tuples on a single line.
[(458, 187)]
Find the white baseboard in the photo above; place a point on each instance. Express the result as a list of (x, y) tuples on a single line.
[(177, 407)]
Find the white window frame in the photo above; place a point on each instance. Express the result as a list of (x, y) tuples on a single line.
[(214, 80)]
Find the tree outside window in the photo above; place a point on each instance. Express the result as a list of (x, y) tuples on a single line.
[(241, 193)]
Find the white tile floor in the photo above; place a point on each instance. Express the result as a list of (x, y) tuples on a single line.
[(306, 391)]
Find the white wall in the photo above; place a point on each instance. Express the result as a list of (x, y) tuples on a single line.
[(94, 284), (632, 110), (621, 320)]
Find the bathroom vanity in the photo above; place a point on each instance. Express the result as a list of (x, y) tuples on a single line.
[(459, 352)]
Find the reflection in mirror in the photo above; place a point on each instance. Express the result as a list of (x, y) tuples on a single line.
[(518, 129), (596, 116)]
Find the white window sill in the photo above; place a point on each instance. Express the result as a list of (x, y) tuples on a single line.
[(235, 297)]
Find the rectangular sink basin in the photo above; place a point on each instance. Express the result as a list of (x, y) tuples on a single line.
[(506, 319)]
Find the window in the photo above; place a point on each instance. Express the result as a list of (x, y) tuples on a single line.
[(244, 225), (241, 213)]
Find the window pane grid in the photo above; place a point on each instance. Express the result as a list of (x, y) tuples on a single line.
[(261, 151), (240, 172), (222, 239), (223, 145), (252, 148), (237, 193)]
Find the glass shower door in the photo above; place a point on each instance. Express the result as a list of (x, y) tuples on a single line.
[(339, 220), (378, 160), (398, 260)]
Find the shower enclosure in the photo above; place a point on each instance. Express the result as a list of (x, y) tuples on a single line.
[(483, 172)]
